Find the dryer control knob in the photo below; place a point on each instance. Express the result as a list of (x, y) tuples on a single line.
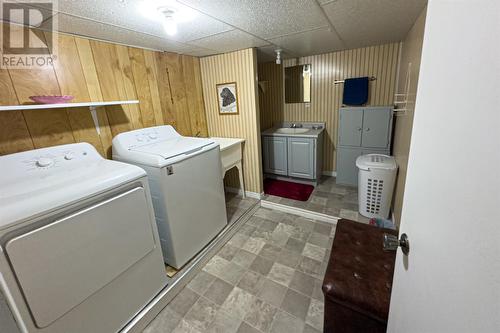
[(69, 156), (44, 162), (153, 136)]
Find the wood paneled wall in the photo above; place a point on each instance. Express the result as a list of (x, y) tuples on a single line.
[(239, 67), (326, 97), (167, 85)]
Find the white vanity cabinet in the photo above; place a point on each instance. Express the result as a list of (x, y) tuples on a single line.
[(293, 155)]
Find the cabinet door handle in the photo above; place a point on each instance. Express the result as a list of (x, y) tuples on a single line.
[(367, 129), (360, 128)]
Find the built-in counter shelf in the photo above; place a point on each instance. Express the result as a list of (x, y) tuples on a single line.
[(91, 105)]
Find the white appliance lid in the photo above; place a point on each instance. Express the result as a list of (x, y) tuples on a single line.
[(37, 181), (174, 147)]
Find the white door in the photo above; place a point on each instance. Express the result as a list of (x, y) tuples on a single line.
[(450, 281)]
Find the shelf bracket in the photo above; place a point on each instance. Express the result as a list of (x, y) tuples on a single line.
[(93, 113)]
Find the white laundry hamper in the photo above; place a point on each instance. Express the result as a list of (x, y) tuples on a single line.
[(376, 178)]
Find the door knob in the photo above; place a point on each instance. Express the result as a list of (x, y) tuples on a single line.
[(391, 243)]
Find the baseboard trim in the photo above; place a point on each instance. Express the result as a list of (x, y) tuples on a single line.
[(249, 194), (330, 173), (299, 211)]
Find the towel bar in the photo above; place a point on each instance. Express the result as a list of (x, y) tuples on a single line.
[(373, 78)]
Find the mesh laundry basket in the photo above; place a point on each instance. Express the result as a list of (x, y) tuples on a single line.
[(376, 177)]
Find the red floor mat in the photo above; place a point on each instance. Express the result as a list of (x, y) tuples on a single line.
[(288, 190)]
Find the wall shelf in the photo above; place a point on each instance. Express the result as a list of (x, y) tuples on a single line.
[(91, 105)]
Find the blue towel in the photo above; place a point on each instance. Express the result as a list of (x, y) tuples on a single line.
[(355, 91)]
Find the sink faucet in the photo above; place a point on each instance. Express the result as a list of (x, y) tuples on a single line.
[(294, 125)]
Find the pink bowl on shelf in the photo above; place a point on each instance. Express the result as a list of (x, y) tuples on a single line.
[(52, 99)]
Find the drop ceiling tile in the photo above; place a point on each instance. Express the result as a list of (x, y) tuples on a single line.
[(199, 52), (131, 14), (267, 53), (264, 18), (362, 23), (86, 28), (310, 42), (229, 41)]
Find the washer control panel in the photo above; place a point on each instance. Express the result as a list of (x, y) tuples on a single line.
[(58, 157), (145, 136)]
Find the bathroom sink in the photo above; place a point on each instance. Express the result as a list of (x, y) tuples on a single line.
[(288, 130)]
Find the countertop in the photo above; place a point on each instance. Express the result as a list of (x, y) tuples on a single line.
[(225, 143), (312, 133)]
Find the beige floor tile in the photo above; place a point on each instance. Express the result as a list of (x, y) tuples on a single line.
[(289, 258), (303, 283), (314, 252), (253, 245), (201, 282), (245, 328), (286, 323), (183, 301), (244, 258), (224, 323), (261, 315), (296, 304), (227, 252), (238, 303), (319, 240), (261, 265), (281, 274), (201, 314), (218, 291), (309, 266), (270, 252), (251, 282), (185, 327), (315, 314), (165, 321)]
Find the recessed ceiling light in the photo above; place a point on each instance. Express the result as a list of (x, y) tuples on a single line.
[(168, 12), (169, 23)]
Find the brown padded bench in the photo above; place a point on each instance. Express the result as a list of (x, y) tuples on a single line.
[(358, 280)]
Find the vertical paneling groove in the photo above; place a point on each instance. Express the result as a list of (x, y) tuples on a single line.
[(379, 61), (97, 71), (236, 67)]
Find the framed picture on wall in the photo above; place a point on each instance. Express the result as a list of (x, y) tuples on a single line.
[(227, 97)]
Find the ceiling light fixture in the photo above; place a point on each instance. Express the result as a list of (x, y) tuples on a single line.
[(169, 23), (278, 56), (169, 13)]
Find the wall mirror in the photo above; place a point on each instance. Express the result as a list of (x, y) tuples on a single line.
[(298, 84)]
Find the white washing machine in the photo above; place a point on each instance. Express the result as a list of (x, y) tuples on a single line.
[(185, 177), (79, 245)]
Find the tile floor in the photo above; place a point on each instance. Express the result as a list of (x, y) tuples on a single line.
[(236, 206), (267, 278), (328, 198)]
